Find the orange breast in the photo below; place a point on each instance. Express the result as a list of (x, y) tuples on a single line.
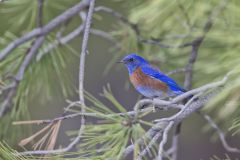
[(138, 78)]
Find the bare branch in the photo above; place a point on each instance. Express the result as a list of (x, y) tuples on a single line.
[(60, 41), (136, 29), (154, 41), (82, 67), (28, 58), (118, 16), (201, 89)]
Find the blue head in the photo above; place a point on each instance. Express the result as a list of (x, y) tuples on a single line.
[(133, 61)]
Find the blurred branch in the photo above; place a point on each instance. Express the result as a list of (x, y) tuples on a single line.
[(6, 104), (45, 29), (40, 13), (179, 70), (104, 35), (70, 36), (155, 41), (220, 133), (196, 43), (60, 41), (137, 31), (118, 16)]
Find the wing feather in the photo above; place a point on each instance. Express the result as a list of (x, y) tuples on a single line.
[(156, 74)]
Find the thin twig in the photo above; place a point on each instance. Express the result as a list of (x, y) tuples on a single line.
[(82, 66), (164, 140), (40, 13), (67, 38), (220, 133), (60, 41), (149, 146), (136, 29), (180, 70), (159, 104)]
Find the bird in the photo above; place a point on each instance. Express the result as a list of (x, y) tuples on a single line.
[(148, 80)]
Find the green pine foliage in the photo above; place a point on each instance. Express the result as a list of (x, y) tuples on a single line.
[(172, 23)]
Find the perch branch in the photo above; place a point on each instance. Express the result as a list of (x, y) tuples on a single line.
[(176, 118)]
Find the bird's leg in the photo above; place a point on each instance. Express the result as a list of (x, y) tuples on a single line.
[(170, 98), (144, 105), (154, 107)]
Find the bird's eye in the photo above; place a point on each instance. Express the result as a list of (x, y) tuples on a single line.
[(130, 60)]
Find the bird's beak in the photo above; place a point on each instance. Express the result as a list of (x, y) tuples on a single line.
[(120, 62)]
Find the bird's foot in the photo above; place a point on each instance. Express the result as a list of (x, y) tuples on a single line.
[(154, 108)]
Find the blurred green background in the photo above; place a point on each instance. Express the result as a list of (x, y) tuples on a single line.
[(46, 96)]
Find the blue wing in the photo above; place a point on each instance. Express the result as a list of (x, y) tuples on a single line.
[(148, 70)]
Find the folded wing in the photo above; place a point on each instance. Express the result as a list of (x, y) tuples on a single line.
[(158, 75)]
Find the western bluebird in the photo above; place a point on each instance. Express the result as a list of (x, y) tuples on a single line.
[(148, 80)]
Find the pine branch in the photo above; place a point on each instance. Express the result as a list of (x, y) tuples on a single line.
[(45, 29), (81, 96), (6, 104), (39, 34), (161, 104)]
